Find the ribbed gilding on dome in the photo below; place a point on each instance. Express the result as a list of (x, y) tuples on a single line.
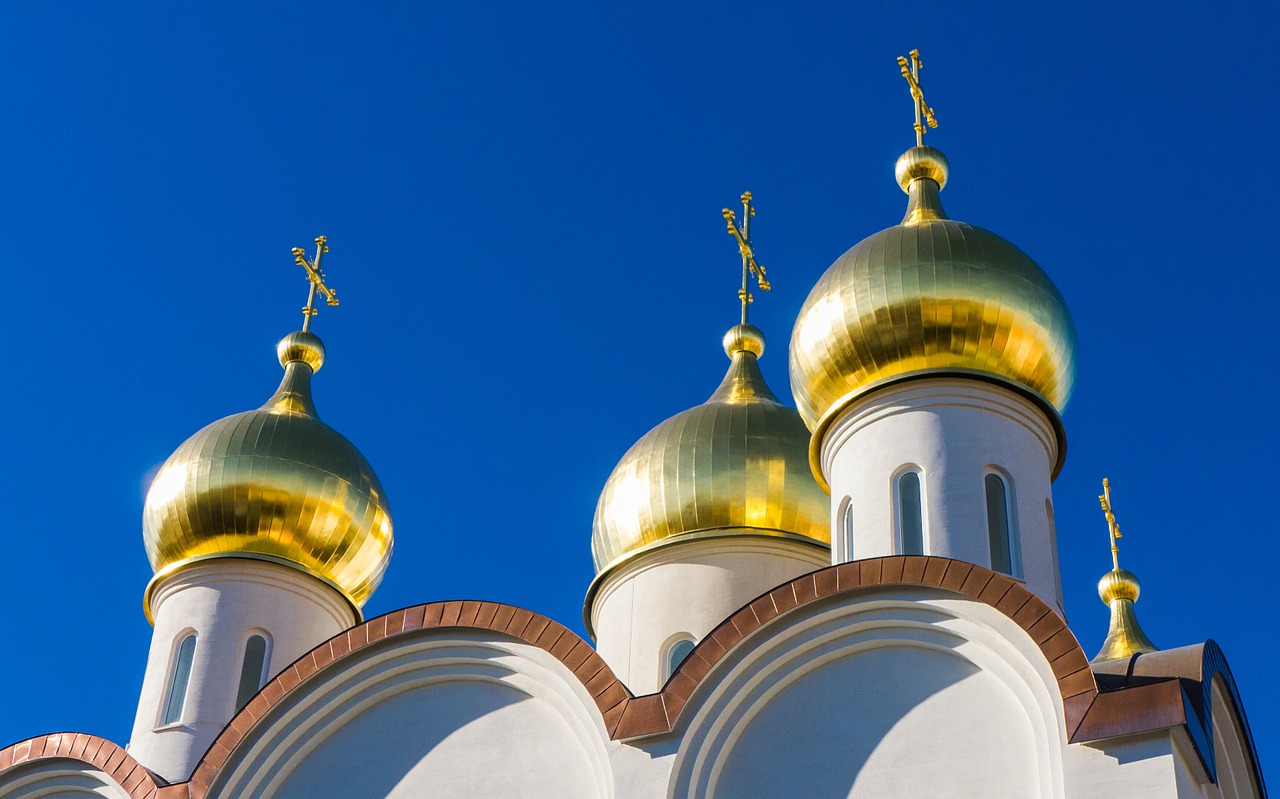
[(737, 464), (929, 295), (275, 484)]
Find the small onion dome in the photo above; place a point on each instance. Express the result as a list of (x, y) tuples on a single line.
[(929, 296), (735, 465), (1118, 589), (274, 484)]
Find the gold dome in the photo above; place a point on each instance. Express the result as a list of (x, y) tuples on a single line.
[(929, 295), (273, 484), (737, 464), (1119, 590)]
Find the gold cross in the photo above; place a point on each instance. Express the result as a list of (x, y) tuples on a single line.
[(911, 71), (747, 251), (1105, 499), (316, 278)]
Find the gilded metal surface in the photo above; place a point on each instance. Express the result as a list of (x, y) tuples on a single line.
[(277, 484), (301, 346), (922, 162), (1119, 590), (929, 295), (1125, 638), (743, 338), (1113, 529), (747, 250), (315, 278), (738, 463), (911, 71)]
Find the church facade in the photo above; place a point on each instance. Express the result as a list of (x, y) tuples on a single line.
[(858, 597)]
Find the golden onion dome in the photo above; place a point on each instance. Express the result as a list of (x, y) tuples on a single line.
[(273, 484), (929, 296), (735, 465), (1119, 590)]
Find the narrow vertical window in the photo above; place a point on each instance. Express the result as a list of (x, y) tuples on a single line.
[(1053, 550), (998, 532), (847, 524), (910, 514), (676, 655), (252, 670), (178, 682)]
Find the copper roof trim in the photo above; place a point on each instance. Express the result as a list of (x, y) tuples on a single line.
[(1090, 715)]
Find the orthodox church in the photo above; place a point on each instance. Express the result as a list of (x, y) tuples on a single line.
[(858, 597)]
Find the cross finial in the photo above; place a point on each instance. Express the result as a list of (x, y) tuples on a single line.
[(911, 71), (1105, 499), (316, 278), (747, 251)]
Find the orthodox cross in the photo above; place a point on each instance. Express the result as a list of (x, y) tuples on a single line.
[(911, 71), (316, 278), (747, 251), (1105, 499)]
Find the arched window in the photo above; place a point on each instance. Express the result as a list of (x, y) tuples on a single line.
[(252, 670), (846, 530), (1053, 550), (910, 514), (181, 675), (676, 654), (1004, 554)]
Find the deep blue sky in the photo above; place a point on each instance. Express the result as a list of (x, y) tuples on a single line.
[(523, 205)]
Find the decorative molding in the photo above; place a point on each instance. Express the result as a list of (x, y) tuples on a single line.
[(94, 751), (628, 716)]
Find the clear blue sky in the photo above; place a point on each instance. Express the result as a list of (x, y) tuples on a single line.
[(523, 205)]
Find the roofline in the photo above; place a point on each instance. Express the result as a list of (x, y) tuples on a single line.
[(1088, 713)]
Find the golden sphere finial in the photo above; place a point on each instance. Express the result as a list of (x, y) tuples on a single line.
[(922, 162), (301, 347), (1119, 584), (744, 338)]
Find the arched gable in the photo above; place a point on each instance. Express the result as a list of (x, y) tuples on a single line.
[(603, 687), (627, 716), (1048, 630), (877, 692), (87, 750), (435, 711)]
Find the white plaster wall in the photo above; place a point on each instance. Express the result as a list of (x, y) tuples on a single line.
[(464, 738), (891, 692), (1235, 776), (59, 779), (1141, 766), (854, 727), (436, 714), (953, 431), (223, 600), (1190, 779), (687, 588), (643, 768)]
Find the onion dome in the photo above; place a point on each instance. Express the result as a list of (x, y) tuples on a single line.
[(274, 484), (1118, 590), (735, 465), (929, 296)]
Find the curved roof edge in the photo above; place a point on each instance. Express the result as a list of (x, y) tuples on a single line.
[(1089, 713), (94, 751), (1168, 688)]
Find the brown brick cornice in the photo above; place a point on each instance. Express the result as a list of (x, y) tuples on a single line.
[(628, 716), (1076, 683), (89, 750)]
